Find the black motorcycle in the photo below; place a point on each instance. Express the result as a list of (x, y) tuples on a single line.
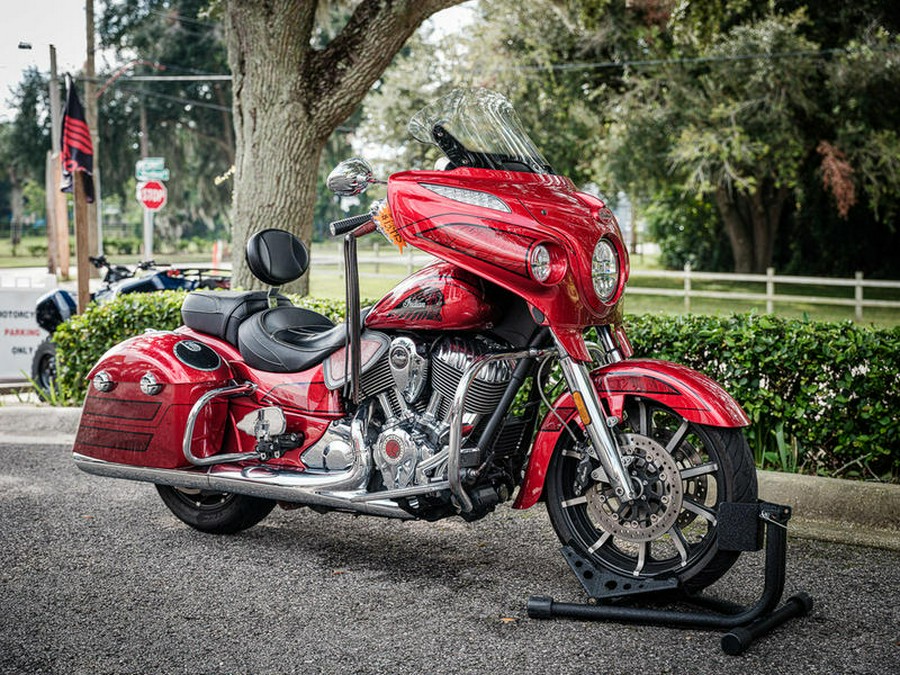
[(57, 306)]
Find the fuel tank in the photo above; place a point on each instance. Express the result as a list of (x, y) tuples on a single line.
[(438, 297)]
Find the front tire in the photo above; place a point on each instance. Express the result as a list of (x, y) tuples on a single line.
[(215, 512), (684, 471), (43, 369)]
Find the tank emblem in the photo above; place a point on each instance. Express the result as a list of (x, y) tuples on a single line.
[(423, 305)]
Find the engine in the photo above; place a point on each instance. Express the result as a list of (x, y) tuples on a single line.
[(414, 384)]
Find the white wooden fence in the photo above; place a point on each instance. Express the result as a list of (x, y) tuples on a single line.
[(771, 296), (412, 260)]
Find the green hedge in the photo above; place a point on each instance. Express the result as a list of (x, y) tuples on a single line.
[(823, 397)]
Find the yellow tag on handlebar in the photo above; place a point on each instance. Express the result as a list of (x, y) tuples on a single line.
[(385, 222)]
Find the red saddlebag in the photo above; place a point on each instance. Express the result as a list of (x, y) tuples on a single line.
[(139, 398)]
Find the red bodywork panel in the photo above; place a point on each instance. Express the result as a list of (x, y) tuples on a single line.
[(497, 245), (129, 427), (308, 405), (692, 395)]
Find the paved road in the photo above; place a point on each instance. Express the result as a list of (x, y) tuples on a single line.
[(97, 577)]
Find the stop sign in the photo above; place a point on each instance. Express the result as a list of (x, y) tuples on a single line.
[(152, 195)]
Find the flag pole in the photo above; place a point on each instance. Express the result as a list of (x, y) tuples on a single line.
[(82, 244), (77, 162)]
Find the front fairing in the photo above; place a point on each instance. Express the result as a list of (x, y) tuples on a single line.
[(496, 244)]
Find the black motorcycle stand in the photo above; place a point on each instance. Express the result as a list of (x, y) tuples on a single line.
[(741, 527)]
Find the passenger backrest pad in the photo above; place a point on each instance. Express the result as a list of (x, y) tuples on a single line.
[(276, 257)]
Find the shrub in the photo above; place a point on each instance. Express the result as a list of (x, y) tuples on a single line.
[(823, 397)]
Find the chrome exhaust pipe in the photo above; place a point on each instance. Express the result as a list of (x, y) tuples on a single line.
[(283, 486), (333, 490)]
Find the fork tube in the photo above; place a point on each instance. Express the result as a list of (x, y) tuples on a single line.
[(579, 381)]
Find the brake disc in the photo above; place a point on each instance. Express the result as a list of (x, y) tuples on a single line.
[(657, 504)]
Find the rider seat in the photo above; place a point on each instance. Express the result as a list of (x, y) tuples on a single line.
[(284, 339), (279, 339)]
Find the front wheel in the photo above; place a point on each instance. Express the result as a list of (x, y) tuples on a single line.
[(682, 472), (215, 512), (43, 368)]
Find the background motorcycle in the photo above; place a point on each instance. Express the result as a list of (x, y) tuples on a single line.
[(58, 305), (470, 384)]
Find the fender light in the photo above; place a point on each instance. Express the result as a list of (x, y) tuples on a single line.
[(546, 264), (471, 197), (150, 385)]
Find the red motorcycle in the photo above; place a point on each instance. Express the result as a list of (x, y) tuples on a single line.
[(501, 372)]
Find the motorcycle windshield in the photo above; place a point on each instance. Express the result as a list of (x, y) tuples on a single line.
[(478, 128)]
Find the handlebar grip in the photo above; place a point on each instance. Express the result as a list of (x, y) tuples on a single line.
[(345, 225)]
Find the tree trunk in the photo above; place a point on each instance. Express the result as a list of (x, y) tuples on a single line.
[(751, 222), (289, 98), (739, 236)]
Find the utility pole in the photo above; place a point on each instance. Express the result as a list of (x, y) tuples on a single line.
[(95, 245), (60, 204), (52, 169)]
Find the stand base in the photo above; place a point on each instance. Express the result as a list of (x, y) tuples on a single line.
[(742, 527)]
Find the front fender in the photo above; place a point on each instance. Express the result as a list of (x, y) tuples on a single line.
[(693, 395)]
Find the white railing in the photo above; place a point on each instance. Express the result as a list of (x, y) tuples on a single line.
[(771, 280), (411, 260)]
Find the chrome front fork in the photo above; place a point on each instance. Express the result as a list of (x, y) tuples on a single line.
[(596, 423)]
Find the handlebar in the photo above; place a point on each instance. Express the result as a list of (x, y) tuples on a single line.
[(351, 224)]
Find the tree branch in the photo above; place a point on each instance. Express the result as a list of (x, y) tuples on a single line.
[(342, 73)]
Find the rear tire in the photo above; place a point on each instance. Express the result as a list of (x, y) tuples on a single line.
[(684, 470), (215, 512)]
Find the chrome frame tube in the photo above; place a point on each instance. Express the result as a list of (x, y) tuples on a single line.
[(578, 378), (457, 410), (233, 390), (354, 329)]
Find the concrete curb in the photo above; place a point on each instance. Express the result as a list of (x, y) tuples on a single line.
[(830, 509)]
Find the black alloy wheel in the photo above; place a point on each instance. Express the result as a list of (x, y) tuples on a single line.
[(682, 472)]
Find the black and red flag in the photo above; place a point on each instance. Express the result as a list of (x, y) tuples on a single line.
[(77, 151)]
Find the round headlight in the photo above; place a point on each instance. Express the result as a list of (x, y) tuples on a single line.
[(539, 263), (605, 270)]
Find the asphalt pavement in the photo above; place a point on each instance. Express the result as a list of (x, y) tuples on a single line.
[(96, 576)]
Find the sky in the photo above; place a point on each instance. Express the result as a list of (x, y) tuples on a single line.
[(42, 23), (61, 23)]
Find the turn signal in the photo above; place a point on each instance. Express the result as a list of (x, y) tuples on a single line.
[(103, 382), (150, 385)]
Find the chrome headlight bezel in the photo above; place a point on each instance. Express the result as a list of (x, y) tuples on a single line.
[(605, 270)]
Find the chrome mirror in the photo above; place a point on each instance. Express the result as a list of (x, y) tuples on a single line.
[(351, 177)]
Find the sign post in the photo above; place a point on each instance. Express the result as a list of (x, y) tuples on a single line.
[(151, 194)]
